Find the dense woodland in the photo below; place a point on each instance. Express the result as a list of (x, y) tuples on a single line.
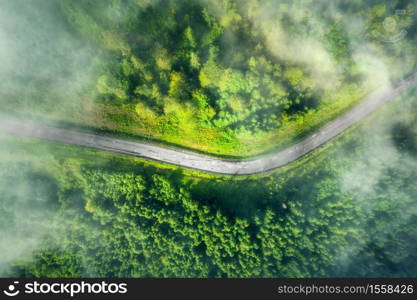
[(349, 210), (178, 53), (213, 76), (227, 77)]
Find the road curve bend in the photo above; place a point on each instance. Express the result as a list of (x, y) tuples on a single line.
[(204, 162)]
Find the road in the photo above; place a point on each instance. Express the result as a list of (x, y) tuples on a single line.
[(204, 162)]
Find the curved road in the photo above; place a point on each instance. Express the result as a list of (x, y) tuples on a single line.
[(207, 163)]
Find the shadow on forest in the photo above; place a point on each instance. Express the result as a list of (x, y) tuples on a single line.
[(405, 138)]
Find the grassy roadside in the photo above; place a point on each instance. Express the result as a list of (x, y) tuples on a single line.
[(26, 148), (246, 147), (294, 221)]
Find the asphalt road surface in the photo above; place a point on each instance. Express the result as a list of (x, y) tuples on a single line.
[(204, 162)]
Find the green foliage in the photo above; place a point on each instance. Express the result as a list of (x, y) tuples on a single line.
[(267, 80), (204, 77), (182, 53), (111, 217)]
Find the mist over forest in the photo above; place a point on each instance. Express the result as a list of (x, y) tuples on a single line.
[(232, 78)]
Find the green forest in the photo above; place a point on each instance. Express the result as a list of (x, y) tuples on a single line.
[(232, 77), (346, 210)]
